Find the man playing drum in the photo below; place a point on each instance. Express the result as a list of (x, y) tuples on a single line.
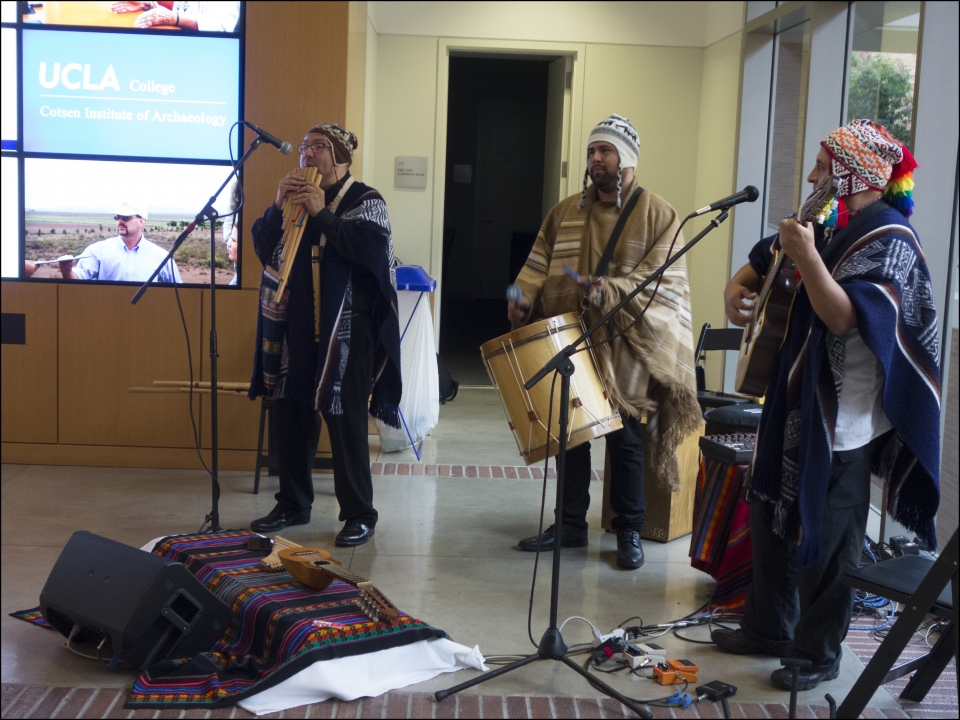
[(647, 367), (335, 363)]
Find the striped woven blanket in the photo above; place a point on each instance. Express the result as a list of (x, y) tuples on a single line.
[(720, 543), (279, 627)]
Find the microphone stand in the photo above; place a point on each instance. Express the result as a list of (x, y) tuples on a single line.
[(551, 645), (207, 213)]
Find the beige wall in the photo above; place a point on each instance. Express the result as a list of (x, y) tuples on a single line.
[(658, 88), (356, 80), (405, 124), (716, 175), (679, 24)]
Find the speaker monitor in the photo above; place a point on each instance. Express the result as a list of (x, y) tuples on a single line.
[(151, 608)]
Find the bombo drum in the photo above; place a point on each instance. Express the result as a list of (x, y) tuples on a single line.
[(513, 358)]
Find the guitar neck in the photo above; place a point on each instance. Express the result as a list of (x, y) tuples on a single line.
[(345, 575)]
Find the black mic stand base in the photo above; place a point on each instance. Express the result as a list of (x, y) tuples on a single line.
[(551, 647)]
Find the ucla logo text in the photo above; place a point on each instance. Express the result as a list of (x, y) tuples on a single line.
[(75, 76)]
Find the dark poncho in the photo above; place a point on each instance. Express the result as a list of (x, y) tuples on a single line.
[(357, 258), (878, 262)]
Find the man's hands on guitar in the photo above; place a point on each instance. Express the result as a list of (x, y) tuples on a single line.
[(739, 295), (798, 242)]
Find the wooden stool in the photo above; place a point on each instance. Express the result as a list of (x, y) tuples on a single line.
[(669, 515)]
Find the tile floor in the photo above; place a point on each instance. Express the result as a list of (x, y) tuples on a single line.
[(445, 551)]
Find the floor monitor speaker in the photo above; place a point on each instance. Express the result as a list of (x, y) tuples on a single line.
[(150, 608)]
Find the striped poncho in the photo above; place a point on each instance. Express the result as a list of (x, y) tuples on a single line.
[(651, 368), (358, 253), (878, 262)]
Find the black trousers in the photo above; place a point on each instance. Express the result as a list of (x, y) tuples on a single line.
[(626, 483), (348, 432), (810, 608), (296, 432)]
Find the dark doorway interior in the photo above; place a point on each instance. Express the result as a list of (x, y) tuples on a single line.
[(496, 124)]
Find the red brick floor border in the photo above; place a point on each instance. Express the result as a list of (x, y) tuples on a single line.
[(23, 701), (469, 472)]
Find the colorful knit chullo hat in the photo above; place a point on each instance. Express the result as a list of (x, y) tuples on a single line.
[(864, 156), (619, 132)]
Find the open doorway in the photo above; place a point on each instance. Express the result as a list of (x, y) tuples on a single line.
[(503, 172)]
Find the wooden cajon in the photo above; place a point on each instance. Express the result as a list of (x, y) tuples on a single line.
[(669, 515)]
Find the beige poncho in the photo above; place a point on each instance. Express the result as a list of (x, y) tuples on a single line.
[(651, 368)]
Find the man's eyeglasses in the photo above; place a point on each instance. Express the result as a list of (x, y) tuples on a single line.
[(317, 148), (125, 218)]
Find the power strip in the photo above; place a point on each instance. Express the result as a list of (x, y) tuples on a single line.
[(599, 640), (636, 656)]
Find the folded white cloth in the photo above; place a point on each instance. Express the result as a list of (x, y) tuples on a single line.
[(366, 675)]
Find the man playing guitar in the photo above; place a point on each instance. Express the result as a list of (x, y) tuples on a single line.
[(854, 388)]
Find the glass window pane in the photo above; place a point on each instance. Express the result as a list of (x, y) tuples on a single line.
[(784, 172), (883, 65)]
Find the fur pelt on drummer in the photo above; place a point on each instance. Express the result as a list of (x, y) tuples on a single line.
[(650, 369)]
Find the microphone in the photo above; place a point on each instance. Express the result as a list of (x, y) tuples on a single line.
[(285, 148), (748, 194)]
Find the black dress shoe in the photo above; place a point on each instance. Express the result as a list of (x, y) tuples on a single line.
[(353, 533), (807, 678), (629, 550), (572, 538), (279, 519), (738, 642)]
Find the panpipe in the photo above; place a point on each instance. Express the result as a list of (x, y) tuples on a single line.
[(272, 561), (295, 217)]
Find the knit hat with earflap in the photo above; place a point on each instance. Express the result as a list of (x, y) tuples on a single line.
[(344, 142), (865, 156), (619, 132)]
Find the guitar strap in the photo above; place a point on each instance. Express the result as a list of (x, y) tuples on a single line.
[(615, 235), (842, 240)]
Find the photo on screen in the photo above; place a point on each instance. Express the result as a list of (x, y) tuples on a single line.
[(114, 221), (173, 16), (130, 95)]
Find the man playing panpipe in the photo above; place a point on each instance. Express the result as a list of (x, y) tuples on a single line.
[(649, 368), (854, 388), (331, 366)]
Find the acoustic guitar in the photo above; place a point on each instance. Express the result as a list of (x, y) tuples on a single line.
[(315, 568), (767, 327)]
